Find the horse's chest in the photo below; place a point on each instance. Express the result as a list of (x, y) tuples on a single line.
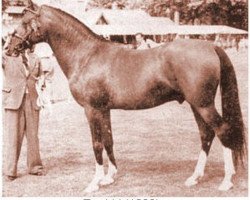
[(77, 93), (92, 93)]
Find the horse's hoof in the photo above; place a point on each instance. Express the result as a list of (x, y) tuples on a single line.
[(225, 186), (191, 182), (91, 188), (107, 180)]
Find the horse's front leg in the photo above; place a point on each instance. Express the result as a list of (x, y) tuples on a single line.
[(108, 144), (95, 118), (100, 127)]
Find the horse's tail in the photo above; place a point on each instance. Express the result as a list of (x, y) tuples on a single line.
[(231, 111)]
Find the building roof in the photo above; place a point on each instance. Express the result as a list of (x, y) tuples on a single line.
[(209, 29), (15, 9), (160, 21), (156, 29), (122, 17), (115, 17), (130, 22)]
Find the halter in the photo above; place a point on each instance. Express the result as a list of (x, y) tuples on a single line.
[(23, 39), (18, 36), (37, 13), (26, 37)]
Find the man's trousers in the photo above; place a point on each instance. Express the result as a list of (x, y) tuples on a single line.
[(17, 123)]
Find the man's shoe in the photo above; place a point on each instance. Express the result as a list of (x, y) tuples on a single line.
[(38, 172), (9, 178)]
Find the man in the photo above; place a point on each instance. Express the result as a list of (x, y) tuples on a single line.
[(45, 53), (140, 42), (21, 113)]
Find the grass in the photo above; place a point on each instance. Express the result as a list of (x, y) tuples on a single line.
[(156, 151)]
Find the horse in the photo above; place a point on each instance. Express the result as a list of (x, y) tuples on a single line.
[(104, 75)]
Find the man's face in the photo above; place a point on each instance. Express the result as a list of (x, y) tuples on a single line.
[(139, 38)]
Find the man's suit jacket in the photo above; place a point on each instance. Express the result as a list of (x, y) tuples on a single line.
[(16, 81)]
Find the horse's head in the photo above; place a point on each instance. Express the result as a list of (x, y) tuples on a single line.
[(28, 33)]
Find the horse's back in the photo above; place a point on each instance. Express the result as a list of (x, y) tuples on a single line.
[(134, 79), (197, 68), (187, 68)]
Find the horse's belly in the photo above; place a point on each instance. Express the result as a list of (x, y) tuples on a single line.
[(149, 99)]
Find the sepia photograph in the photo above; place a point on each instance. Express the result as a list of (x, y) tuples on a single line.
[(124, 98)]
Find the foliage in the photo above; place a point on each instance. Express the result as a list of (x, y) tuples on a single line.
[(108, 3), (168, 8), (5, 3), (238, 16), (212, 13), (221, 12)]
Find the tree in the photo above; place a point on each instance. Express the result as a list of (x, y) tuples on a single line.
[(157, 7), (221, 12), (238, 15), (163, 8), (210, 13), (108, 4), (5, 4)]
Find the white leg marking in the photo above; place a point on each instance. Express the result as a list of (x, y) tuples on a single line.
[(109, 178), (229, 170), (199, 170), (94, 184)]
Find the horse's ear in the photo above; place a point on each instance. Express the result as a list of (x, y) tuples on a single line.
[(34, 24), (31, 10), (31, 5)]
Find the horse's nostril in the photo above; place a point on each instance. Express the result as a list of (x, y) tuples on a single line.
[(8, 53)]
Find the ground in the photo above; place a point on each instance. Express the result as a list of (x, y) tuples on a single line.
[(156, 151)]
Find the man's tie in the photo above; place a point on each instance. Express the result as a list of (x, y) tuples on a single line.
[(25, 64)]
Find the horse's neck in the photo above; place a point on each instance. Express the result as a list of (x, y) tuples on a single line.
[(70, 53), (70, 45)]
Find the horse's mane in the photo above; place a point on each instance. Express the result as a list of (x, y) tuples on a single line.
[(82, 29)]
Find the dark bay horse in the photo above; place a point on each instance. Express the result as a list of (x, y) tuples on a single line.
[(103, 75)]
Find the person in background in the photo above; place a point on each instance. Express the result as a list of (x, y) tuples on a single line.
[(21, 113), (237, 42), (140, 42), (44, 85), (46, 56)]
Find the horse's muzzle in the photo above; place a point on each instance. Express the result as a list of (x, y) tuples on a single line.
[(12, 54)]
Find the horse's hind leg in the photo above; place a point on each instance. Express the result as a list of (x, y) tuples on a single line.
[(207, 136), (215, 121)]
